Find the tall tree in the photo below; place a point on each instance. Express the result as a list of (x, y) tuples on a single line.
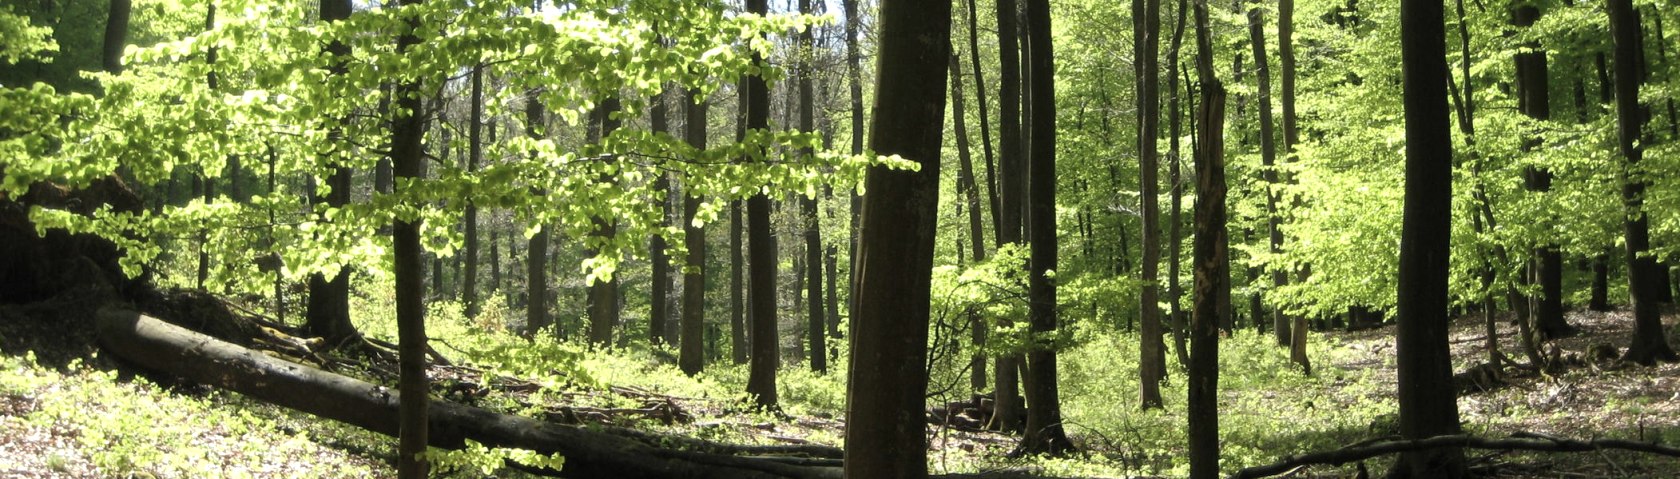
[(475, 156), (854, 80), (985, 113), (761, 252), (407, 132), (1268, 162), (603, 292), (658, 302), (808, 205), (691, 357), (737, 306), (887, 387), (1291, 138), (327, 314), (536, 247), (968, 193), (1152, 365), (1648, 344), (1044, 408), (1534, 101), (1174, 290), (1428, 402), (116, 34), (1212, 275), (1012, 189)]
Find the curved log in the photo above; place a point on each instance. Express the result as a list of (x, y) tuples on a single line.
[(1519, 441)]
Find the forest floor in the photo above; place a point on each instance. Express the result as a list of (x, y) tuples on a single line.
[(65, 412)]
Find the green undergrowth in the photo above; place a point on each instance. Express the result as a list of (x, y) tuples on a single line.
[(84, 422)]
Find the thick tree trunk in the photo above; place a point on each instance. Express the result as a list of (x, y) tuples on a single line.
[(1152, 363), (1428, 402), (761, 379), (603, 292), (887, 386), (692, 357), (327, 313), (1044, 409), (1212, 275), (116, 35), (1600, 300), (1648, 344), (1534, 101), (407, 132)]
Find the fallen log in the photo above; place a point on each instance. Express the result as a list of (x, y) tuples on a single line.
[(157, 345), (1519, 441)]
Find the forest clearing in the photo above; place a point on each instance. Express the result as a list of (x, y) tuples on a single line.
[(859, 239)]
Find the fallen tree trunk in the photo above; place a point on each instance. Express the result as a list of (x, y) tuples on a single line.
[(154, 344), (1520, 441)]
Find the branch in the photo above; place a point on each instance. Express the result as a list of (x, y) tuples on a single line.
[(1519, 441)]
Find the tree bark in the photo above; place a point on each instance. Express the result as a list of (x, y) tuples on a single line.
[(1428, 401), (536, 247), (469, 277), (1534, 101), (985, 114), (658, 301), (1044, 409), (818, 356), (408, 130), (1174, 290), (1291, 138), (603, 292), (968, 192), (116, 35), (1012, 186), (327, 313), (1268, 162), (1648, 344), (887, 385), (737, 306), (1152, 365), (761, 378), (1211, 290), (692, 355)]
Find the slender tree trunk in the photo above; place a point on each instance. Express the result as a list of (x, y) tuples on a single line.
[(1210, 259), (1174, 290), (761, 379), (854, 76), (205, 184), (116, 35), (469, 278), (692, 357), (886, 435), (1291, 138), (1648, 344), (327, 314), (1268, 162), (1152, 365), (1428, 402), (1600, 283), (658, 302), (808, 210), (1007, 415), (536, 247), (985, 114), (969, 194), (1044, 411), (408, 130)]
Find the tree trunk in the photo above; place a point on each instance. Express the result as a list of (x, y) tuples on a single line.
[(761, 379), (536, 247), (327, 314), (1044, 410), (1291, 138), (469, 277), (116, 35), (658, 302), (887, 387), (1012, 186), (1152, 366), (1174, 290), (1211, 293), (1428, 402), (603, 292), (1600, 283), (854, 77), (1268, 162), (692, 355), (1534, 101), (407, 132), (818, 355), (969, 193), (1648, 345), (737, 310), (985, 118)]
